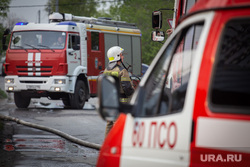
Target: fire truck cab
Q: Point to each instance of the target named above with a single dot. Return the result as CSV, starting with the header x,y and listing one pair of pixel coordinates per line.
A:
x,y
201,118
62,59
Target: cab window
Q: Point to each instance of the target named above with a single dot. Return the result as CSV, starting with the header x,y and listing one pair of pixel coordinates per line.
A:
x,y
165,89
38,40
94,41
230,86
74,42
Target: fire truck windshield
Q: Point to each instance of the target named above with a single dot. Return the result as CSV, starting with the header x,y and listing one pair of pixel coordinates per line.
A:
x,y
38,40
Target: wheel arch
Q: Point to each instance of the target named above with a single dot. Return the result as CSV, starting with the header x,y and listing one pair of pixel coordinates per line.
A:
x,y
80,74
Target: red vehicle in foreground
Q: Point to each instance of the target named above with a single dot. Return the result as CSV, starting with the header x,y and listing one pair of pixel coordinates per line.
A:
x,y
201,117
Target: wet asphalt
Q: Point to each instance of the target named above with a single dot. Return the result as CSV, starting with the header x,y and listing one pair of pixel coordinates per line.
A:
x,y
22,146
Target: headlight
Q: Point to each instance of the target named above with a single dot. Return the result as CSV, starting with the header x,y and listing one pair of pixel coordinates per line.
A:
x,y
9,81
10,88
60,81
57,89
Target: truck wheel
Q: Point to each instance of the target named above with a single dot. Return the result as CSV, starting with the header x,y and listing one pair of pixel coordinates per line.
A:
x,y
66,101
77,99
21,101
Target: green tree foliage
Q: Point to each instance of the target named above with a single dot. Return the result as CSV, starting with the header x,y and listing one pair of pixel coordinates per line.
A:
x,y
4,8
76,7
2,30
1,35
140,12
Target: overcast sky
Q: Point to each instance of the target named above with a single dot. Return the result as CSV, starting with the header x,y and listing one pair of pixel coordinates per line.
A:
x,y
19,9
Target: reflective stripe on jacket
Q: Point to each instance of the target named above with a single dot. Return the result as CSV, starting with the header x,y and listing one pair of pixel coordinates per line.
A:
x,y
126,86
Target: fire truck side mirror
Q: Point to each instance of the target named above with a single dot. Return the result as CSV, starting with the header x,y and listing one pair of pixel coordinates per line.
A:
x,y
108,94
158,36
157,19
4,45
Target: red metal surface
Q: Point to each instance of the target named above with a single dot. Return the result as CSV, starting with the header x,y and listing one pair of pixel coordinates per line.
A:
x,y
51,63
96,60
209,4
113,140
201,108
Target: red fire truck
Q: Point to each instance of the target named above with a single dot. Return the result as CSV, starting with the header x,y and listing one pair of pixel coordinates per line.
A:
x,y
62,59
203,119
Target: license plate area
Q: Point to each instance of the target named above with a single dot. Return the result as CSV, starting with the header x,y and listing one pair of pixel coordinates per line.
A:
x,y
33,86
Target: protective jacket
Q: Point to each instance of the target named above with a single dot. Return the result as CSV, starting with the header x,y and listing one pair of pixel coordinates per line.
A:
x,y
126,85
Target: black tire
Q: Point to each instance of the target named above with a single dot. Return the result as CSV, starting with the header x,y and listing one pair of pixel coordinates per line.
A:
x,y
66,101
21,101
3,72
77,100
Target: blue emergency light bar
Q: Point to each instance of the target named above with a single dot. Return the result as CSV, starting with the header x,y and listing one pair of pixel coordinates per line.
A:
x,y
22,23
70,23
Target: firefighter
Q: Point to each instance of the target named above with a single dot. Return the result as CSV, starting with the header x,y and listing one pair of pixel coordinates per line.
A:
x,y
59,43
116,68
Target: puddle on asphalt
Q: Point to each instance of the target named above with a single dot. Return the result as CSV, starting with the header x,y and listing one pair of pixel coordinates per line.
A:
x,y
38,148
55,104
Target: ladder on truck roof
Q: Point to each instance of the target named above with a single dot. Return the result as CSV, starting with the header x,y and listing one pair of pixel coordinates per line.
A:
x,y
57,17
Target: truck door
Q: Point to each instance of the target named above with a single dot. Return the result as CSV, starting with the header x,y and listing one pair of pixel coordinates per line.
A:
x,y
73,52
222,113
96,57
160,131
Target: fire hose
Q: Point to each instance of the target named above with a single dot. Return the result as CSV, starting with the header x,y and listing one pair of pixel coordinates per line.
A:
x,y
54,131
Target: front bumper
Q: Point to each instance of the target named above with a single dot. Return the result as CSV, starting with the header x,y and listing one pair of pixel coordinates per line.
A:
x,y
49,84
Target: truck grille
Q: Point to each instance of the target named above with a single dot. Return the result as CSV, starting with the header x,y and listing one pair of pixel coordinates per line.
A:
x,y
34,82
34,70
